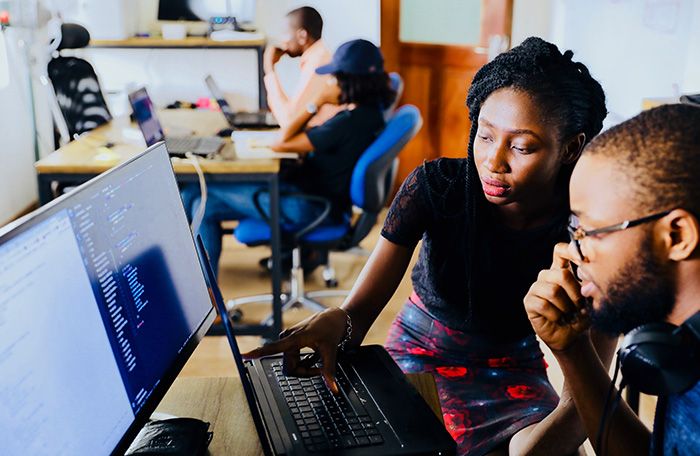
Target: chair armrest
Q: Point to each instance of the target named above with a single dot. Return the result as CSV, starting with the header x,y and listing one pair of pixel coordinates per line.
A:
x,y
324,202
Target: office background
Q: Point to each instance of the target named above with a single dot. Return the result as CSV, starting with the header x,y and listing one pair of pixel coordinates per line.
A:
x,y
637,49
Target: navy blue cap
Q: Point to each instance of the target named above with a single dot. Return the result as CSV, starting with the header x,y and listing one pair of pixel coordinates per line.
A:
x,y
355,57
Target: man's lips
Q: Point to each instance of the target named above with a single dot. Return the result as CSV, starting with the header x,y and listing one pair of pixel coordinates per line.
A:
x,y
494,187
587,285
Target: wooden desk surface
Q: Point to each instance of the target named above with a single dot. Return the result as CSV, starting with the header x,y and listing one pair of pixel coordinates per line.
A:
x,y
221,402
189,42
88,154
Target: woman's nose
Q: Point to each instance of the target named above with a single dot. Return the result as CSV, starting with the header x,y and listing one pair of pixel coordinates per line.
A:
x,y
497,160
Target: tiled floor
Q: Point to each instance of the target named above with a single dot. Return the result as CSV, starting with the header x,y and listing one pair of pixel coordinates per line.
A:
x,y
240,276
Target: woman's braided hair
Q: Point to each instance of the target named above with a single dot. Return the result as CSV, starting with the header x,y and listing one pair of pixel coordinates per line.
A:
x,y
571,100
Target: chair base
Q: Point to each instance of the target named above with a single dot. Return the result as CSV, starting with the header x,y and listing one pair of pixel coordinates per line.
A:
x,y
297,296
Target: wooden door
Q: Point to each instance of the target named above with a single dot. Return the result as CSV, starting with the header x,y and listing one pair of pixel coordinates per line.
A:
x,y
436,75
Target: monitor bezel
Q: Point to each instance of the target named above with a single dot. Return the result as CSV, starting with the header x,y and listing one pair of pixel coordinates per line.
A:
x,y
21,225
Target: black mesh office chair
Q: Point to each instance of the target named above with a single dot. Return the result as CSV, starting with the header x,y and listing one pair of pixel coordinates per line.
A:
x,y
75,84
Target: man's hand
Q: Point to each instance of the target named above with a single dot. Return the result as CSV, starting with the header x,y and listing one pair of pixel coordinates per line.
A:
x,y
554,303
330,93
272,55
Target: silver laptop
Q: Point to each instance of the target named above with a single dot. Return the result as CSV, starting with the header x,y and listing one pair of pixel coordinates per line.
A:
x,y
254,120
152,131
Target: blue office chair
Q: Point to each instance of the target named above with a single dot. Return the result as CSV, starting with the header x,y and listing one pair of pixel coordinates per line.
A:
x,y
372,180
396,83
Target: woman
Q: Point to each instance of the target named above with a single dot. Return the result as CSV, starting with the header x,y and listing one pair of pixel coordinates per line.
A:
x,y
329,151
488,225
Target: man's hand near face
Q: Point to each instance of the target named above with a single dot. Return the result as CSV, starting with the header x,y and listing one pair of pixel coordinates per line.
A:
x,y
559,316
554,303
272,55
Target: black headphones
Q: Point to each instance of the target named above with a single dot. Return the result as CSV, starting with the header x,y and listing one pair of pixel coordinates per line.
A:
x,y
661,358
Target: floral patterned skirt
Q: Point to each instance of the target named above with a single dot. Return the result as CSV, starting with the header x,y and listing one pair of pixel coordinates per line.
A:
x,y
488,391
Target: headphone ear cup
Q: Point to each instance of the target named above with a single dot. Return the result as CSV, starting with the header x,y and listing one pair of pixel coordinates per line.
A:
x,y
654,361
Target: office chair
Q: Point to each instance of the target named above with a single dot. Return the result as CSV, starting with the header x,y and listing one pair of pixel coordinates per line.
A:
x,y
370,186
75,84
396,83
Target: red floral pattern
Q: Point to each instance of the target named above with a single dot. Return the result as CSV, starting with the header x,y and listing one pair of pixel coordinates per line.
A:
x,y
521,392
452,371
484,395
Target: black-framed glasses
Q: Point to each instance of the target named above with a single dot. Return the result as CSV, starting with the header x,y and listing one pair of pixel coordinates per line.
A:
x,y
576,233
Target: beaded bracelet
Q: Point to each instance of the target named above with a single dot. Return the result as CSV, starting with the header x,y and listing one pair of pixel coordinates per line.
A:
x,y
348,331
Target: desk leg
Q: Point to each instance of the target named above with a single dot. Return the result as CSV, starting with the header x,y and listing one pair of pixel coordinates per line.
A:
x,y
45,193
276,253
262,93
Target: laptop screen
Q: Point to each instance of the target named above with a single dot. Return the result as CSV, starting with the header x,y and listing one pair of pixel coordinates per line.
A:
x,y
102,300
219,96
145,115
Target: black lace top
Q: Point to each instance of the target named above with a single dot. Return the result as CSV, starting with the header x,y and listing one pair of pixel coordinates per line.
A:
x,y
431,205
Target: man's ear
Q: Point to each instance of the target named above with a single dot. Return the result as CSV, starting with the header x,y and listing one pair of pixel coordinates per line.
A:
x,y
302,37
681,234
573,148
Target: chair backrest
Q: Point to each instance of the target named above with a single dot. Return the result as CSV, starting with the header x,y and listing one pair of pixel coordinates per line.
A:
x,y
76,86
397,84
375,171
368,184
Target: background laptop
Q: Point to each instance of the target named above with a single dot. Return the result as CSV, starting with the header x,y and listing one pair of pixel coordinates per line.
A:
x,y
255,120
378,411
102,300
150,126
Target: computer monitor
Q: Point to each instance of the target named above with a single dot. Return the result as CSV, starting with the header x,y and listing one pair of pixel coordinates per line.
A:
x,y
145,116
203,10
102,300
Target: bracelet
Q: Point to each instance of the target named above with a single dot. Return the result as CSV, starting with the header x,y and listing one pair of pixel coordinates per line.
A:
x,y
348,331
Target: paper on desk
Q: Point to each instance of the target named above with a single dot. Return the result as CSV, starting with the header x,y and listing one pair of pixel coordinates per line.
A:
x,y
256,145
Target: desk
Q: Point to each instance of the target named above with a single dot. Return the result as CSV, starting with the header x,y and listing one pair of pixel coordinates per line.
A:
x,y
194,42
221,401
85,158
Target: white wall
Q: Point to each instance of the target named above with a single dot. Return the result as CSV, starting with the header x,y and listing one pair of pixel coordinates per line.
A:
x,y
636,49
18,187
179,74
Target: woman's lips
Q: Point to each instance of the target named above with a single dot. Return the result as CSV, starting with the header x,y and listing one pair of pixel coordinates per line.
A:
x,y
493,187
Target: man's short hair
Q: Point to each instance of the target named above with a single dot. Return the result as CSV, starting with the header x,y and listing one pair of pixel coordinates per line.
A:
x,y
309,19
659,152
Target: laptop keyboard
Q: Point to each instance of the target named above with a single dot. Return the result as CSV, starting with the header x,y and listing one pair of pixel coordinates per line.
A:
x,y
199,145
325,421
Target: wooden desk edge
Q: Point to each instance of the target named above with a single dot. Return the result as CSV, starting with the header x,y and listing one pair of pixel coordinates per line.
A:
x,y
192,42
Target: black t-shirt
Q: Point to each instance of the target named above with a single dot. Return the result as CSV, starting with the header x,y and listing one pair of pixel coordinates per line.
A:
x,y
338,144
431,205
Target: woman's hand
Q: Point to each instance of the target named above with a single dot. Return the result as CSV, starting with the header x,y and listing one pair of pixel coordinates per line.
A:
x,y
322,332
554,304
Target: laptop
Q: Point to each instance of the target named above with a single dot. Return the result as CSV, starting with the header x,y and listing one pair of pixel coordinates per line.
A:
x,y
152,131
378,411
102,301
253,120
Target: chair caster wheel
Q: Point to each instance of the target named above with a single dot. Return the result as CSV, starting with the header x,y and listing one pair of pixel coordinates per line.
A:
x,y
331,283
236,315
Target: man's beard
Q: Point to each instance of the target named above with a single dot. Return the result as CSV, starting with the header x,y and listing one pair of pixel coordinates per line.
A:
x,y
640,293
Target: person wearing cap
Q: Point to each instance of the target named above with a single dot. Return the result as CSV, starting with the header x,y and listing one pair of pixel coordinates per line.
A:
x,y
328,152
302,40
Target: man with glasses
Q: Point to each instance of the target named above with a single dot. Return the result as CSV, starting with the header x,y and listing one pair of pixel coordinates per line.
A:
x,y
634,259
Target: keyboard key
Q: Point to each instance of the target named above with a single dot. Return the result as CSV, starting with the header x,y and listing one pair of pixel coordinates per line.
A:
x,y
362,441
376,439
348,441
